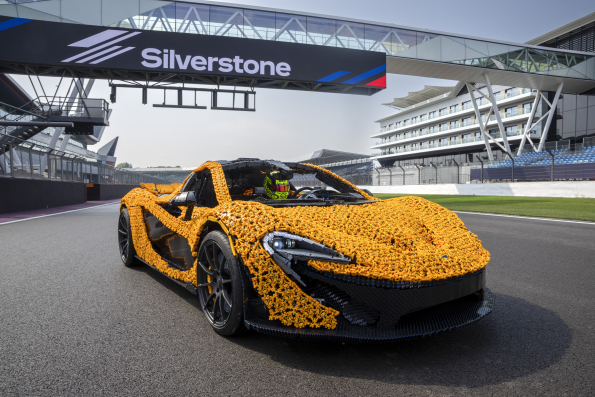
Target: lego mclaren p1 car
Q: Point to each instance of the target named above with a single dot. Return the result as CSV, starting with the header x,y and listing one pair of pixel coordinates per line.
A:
x,y
291,249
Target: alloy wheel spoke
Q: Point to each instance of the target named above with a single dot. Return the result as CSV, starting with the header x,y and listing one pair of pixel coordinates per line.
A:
x,y
211,295
209,256
205,269
218,255
221,307
225,281
215,305
226,297
122,231
207,285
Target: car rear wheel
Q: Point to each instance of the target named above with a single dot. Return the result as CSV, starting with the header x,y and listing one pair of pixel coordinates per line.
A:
x,y
219,285
127,251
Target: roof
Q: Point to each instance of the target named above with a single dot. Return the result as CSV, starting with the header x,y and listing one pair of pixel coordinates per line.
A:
x,y
325,156
109,149
415,97
459,89
563,30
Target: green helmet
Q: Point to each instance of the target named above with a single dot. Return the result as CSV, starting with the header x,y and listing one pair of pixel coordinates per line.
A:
x,y
274,188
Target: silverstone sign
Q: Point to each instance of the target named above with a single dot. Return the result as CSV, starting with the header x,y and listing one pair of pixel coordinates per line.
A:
x,y
62,44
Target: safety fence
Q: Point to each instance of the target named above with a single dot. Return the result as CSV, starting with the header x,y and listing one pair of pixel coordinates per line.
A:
x,y
30,160
558,162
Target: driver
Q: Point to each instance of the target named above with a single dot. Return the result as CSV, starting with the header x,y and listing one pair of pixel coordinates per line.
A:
x,y
276,188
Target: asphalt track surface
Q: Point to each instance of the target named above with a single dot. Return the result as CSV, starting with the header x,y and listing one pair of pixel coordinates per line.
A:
x,y
75,321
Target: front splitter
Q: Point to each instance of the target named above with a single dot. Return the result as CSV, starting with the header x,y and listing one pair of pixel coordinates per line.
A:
x,y
428,322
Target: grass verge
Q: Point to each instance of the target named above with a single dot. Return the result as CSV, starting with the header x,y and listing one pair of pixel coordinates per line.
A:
x,y
582,209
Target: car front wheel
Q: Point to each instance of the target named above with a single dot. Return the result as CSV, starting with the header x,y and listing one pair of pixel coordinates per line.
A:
x,y
219,285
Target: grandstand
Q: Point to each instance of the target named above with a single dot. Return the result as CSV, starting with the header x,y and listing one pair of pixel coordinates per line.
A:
x,y
561,156
355,167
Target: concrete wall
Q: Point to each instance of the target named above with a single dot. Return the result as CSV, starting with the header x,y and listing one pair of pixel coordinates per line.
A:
x,y
18,194
30,194
521,189
96,191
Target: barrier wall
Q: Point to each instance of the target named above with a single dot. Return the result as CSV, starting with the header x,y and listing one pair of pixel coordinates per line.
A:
x,y
30,194
520,189
23,194
97,191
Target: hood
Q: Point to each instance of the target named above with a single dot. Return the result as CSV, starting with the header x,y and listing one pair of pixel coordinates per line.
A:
x,y
401,239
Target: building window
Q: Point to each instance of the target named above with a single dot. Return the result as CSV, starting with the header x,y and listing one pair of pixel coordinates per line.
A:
x,y
398,125
467,121
466,105
509,112
453,108
527,108
432,114
478,135
511,131
512,92
443,112
413,120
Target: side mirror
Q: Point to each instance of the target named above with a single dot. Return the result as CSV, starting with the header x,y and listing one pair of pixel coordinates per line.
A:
x,y
367,191
182,199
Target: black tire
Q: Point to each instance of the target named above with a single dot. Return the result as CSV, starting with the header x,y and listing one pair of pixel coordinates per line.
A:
x,y
220,285
125,243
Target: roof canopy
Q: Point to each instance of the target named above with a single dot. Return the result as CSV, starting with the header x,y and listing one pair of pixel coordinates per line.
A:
x,y
415,97
326,156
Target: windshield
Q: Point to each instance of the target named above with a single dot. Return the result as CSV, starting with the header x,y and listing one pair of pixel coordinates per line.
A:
x,y
287,184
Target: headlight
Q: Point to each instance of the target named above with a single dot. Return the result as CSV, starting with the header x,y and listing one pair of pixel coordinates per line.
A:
x,y
286,249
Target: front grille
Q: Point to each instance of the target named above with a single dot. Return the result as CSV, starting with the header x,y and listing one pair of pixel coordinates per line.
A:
x,y
359,304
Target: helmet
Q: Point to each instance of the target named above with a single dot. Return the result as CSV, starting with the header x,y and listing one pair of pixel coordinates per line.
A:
x,y
274,187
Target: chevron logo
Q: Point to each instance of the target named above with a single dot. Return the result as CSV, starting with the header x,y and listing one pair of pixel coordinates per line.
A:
x,y
103,47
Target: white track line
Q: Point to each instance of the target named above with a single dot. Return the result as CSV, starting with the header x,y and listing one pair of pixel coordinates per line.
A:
x,y
57,213
526,217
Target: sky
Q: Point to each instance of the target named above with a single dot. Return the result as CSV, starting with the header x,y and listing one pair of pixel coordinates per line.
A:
x,y
287,124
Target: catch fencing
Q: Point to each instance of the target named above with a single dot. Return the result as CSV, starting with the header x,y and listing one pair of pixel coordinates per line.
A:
x,y
30,160
560,161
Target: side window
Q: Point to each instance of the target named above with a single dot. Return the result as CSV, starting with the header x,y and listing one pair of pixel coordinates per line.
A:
x,y
204,191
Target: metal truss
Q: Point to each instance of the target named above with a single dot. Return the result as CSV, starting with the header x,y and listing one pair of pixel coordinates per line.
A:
x,y
530,125
493,109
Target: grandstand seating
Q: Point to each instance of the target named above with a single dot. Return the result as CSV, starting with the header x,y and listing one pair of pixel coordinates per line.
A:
x,y
561,156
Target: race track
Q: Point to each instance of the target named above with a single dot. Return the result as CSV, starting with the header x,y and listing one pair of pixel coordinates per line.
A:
x,y
75,321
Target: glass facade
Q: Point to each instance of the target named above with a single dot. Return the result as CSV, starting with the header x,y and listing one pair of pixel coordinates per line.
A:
x,y
196,18
576,117
457,137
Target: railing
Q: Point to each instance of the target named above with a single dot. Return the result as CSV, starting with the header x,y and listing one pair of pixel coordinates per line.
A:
x,y
453,126
48,109
482,101
458,141
564,161
25,159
